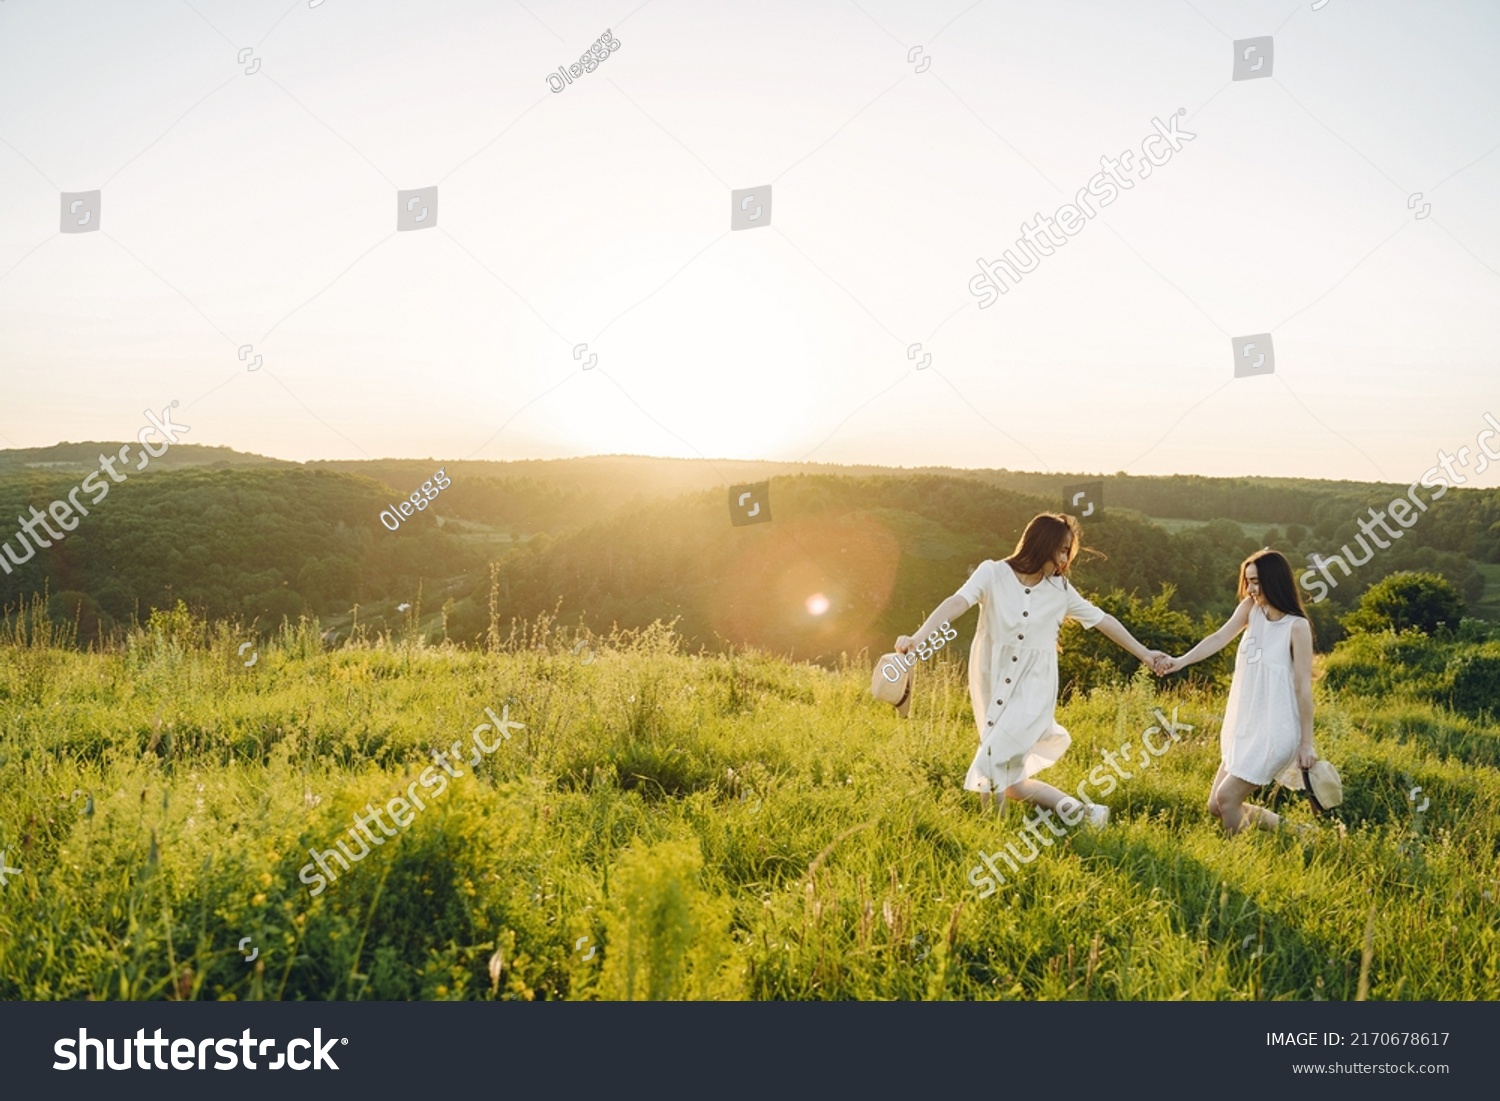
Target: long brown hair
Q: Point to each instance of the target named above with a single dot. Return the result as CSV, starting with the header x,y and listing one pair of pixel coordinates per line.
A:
x,y
1274,574
1040,542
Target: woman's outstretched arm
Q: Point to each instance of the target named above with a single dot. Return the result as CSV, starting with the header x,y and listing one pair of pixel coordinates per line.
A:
x,y
1216,641
1112,629
949,610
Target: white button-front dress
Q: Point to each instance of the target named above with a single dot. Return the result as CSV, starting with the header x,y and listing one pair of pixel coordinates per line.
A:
x,y
1013,672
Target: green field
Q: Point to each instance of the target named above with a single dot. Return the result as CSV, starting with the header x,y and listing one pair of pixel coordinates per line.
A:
x,y
727,826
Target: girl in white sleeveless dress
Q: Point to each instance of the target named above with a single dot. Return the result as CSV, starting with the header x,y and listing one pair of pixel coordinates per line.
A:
x,y
1268,723
1013,680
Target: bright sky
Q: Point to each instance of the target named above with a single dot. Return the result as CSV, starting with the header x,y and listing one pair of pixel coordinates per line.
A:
x,y
260,209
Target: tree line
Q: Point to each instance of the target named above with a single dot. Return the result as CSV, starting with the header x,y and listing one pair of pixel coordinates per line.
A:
x,y
610,544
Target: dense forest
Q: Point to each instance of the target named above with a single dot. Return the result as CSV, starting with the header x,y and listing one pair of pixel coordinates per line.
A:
x,y
629,540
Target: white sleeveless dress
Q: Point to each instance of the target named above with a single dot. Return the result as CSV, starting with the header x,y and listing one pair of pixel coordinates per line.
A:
x,y
1261,724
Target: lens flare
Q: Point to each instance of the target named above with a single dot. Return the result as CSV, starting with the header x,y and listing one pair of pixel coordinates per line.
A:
x,y
764,599
817,604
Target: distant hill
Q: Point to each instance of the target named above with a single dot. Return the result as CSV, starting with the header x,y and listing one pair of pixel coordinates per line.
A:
x,y
628,539
882,551
81,458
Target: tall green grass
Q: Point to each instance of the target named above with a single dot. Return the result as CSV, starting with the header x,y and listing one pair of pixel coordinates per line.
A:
x,y
706,826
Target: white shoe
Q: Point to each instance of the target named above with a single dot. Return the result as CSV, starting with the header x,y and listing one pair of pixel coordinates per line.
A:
x,y
1097,816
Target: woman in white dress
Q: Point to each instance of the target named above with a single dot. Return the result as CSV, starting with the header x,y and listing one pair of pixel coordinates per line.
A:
x,y
1013,663
1268,723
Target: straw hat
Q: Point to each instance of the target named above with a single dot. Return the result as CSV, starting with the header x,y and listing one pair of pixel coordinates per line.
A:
x,y
891,682
1321,782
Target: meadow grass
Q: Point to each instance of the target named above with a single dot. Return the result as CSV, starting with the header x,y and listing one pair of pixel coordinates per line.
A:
x,y
673,825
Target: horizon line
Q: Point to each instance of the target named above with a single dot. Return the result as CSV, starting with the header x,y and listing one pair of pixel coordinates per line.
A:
x,y
16,451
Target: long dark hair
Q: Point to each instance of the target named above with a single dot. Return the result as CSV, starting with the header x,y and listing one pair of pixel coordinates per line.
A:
x,y
1040,542
1275,578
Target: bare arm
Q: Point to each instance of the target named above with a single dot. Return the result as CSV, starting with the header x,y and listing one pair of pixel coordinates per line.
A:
x,y
1302,683
1218,640
945,612
1112,629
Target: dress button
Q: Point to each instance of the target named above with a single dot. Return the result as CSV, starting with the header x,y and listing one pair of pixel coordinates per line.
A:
x,y
1025,613
1020,636
1007,680
1014,658
999,701
1028,590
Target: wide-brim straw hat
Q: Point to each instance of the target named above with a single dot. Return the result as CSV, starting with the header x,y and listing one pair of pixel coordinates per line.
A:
x,y
1321,781
891,682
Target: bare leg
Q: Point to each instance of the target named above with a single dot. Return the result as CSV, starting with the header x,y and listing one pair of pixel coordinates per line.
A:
x,y
1039,793
1229,794
1213,792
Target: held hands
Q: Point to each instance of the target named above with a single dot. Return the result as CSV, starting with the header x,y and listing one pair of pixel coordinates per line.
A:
x,y
1164,664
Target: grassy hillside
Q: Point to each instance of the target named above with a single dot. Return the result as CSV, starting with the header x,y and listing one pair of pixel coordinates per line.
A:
x,y
671,825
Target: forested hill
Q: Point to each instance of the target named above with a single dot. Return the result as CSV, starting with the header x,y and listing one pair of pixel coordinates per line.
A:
x,y
1471,527
81,458
630,539
880,551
